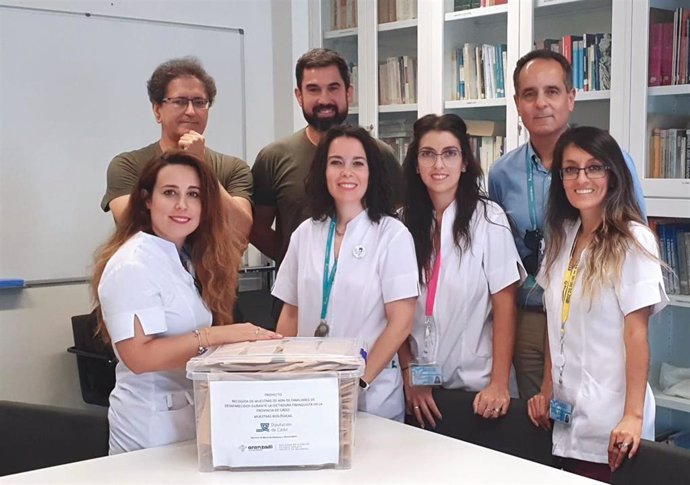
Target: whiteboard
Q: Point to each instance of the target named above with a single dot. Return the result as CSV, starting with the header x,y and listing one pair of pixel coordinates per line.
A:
x,y
72,96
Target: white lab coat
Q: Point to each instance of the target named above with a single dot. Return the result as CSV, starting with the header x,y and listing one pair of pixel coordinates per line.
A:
x,y
594,349
146,278
462,308
385,272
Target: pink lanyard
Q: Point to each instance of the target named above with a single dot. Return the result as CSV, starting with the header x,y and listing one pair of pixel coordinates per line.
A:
x,y
433,285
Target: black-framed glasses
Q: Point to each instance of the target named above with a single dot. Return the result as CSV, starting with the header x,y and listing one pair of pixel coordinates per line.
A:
x,y
595,171
181,102
534,241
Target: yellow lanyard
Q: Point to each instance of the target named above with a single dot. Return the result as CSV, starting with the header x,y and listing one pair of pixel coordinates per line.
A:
x,y
568,287
567,294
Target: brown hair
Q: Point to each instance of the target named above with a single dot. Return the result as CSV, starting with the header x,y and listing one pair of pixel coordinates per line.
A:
x,y
321,57
216,245
170,70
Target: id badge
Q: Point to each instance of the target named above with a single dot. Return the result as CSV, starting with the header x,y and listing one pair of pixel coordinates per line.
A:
x,y
561,411
426,375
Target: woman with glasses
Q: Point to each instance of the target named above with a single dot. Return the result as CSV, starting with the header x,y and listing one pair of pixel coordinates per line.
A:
x,y
165,285
349,270
602,280
469,270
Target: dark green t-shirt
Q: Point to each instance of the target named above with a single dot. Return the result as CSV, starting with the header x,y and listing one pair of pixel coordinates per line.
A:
x,y
124,170
280,171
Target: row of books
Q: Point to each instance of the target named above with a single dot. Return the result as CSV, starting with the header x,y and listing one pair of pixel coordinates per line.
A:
x,y
487,140
467,4
343,14
478,71
669,154
589,55
398,80
674,246
394,10
669,45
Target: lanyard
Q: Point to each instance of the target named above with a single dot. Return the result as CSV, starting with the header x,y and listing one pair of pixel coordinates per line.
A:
x,y
566,296
432,286
328,277
530,190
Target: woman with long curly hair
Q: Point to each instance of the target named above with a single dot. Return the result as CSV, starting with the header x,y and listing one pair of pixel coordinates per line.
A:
x,y
167,274
602,280
349,270
469,270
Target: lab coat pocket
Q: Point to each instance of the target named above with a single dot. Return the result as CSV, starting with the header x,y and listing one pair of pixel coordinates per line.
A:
x,y
479,339
173,420
599,410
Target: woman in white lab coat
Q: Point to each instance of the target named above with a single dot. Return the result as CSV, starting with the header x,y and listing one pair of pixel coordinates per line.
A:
x,y
349,271
164,277
602,280
469,269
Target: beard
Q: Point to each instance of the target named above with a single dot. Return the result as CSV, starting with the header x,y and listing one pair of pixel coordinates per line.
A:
x,y
323,124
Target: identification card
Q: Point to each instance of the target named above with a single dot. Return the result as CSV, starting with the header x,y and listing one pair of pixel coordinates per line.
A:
x,y
426,375
561,411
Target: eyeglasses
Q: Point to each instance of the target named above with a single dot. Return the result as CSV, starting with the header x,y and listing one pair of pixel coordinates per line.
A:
x,y
182,102
592,172
448,157
534,241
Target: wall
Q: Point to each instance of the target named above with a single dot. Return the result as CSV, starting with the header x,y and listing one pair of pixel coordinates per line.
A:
x,y
35,322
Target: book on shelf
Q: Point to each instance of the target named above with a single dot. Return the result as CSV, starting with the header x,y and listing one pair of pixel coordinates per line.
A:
x,y
674,249
487,141
669,46
468,4
669,153
395,10
477,71
398,80
397,134
589,56
343,14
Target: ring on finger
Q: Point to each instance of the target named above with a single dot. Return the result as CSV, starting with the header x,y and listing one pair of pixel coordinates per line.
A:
x,y
256,332
416,407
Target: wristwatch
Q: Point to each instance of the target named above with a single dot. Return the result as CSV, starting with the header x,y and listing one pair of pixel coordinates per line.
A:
x,y
363,384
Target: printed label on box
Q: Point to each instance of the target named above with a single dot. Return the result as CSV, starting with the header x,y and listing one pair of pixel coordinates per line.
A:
x,y
275,423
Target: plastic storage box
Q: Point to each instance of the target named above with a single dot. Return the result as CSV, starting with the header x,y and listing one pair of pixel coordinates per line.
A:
x,y
277,404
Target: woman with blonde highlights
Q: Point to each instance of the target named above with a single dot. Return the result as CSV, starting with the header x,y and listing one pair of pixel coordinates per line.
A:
x,y
602,280
166,275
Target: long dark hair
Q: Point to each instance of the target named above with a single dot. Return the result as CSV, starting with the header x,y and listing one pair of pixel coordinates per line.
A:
x,y
216,245
417,206
378,197
611,240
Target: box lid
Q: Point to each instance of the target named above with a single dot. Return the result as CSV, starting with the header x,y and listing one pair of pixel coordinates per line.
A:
x,y
297,355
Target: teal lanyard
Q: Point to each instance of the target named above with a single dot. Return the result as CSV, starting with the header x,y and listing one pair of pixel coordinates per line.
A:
x,y
530,190
328,277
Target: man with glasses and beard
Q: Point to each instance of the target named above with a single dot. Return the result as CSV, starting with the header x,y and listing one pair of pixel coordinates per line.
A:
x,y
181,94
520,182
324,92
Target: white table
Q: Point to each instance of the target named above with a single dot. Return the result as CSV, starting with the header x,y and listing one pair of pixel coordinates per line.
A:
x,y
385,452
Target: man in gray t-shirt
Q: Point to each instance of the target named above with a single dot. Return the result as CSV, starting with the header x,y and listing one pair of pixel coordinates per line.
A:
x,y
324,93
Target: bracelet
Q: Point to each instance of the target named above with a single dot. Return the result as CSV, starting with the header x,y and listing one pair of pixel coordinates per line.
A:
x,y
201,348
